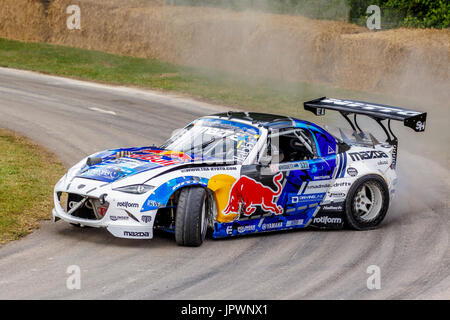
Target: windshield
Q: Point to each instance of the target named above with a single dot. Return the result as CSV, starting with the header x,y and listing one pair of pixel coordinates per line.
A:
x,y
215,140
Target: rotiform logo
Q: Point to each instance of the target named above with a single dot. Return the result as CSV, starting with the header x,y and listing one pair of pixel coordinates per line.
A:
x,y
126,204
327,219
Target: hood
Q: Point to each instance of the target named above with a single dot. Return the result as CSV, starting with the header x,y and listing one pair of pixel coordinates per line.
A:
x,y
120,163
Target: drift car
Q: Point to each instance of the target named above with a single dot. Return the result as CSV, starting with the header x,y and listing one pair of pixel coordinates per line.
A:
x,y
239,173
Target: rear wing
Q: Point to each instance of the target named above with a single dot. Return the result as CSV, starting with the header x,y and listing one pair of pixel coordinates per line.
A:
x,y
412,119
379,112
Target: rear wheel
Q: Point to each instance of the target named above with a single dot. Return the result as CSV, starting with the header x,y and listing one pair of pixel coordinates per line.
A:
x,y
367,203
191,221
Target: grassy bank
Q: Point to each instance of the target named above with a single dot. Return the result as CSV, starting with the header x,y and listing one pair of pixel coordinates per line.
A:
x,y
263,95
27,176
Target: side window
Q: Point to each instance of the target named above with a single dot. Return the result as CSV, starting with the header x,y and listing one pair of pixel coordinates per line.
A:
x,y
292,144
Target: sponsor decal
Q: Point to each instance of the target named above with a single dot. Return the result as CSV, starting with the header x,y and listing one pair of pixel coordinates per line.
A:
x,y
372,107
342,184
195,181
275,225
247,228
319,186
81,186
365,155
394,155
352,172
102,210
420,126
135,234
301,165
206,169
126,204
153,204
336,194
115,218
249,193
382,163
146,219
330,150
321,177
309,197
327,220
293,223
333,207
112,174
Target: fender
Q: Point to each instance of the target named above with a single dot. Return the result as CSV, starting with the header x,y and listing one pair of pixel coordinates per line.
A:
x,y
161,195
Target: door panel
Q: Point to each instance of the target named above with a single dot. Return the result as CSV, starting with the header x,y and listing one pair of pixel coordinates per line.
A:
x,y
305,188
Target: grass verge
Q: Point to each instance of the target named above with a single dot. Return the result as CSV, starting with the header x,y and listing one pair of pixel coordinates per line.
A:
x,y
27,176
264,95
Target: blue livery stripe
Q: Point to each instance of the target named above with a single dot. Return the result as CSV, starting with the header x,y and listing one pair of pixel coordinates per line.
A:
x,y
344,155
340,166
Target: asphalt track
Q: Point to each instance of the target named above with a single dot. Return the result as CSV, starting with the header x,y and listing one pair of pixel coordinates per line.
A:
x,y
74,119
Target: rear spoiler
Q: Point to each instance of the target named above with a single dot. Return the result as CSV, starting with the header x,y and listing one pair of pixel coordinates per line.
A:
x,y
412,119
379,112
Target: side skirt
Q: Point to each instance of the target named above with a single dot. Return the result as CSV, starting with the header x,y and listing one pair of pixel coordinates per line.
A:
x,y
324,219
264,224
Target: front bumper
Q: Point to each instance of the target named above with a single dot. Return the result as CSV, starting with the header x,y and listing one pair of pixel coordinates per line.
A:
x,y
121,222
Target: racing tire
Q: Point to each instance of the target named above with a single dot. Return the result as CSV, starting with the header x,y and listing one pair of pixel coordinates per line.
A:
x,y
367,203
191,221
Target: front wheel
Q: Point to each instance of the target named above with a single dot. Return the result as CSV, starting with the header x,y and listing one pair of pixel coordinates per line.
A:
x,y
191,222
367,203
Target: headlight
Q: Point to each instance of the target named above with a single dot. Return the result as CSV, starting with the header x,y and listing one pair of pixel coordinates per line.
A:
x,y
136,188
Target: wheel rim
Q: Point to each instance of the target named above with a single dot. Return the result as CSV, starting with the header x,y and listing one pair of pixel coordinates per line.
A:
x,y
367,201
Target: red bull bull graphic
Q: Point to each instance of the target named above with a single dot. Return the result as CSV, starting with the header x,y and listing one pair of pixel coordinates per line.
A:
x,y
251,194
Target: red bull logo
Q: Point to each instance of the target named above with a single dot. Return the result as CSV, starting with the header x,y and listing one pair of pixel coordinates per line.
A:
x,y
156,156
251,194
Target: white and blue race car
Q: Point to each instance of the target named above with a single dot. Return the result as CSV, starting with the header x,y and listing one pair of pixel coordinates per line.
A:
x,y
239,173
